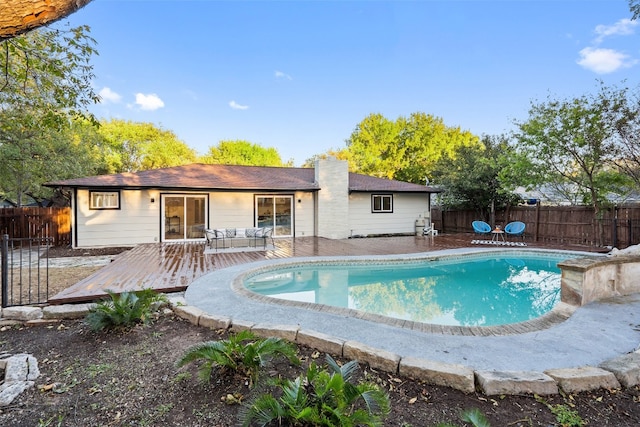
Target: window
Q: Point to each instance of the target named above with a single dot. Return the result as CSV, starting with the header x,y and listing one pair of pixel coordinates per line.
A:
x,y
381,203
104,200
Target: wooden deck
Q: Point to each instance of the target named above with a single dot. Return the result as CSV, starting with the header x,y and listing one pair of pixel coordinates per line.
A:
x,y
172,267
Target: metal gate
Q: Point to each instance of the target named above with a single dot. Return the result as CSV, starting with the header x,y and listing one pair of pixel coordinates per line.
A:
x,y
25,270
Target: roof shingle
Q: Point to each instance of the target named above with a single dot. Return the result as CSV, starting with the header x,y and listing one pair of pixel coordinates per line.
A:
x,y
233,177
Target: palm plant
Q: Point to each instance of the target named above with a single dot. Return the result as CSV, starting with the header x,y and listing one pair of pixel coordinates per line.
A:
x,y
123,310
473,416
321,397
242,352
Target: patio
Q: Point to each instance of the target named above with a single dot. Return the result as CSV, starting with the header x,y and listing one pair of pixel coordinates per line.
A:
x,y
172,267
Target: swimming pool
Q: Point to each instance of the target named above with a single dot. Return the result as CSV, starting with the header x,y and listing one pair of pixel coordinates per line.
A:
x,y
471,290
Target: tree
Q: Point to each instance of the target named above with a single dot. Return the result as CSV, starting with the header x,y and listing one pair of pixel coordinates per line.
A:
x,y
30,155
404,149
239,152
374,147
49,72
336,154
470,177
625,116
45,87
634,6
427,139
134,146
19,16
572,142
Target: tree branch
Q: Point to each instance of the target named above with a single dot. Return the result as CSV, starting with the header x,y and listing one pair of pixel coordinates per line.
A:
x,y
20,16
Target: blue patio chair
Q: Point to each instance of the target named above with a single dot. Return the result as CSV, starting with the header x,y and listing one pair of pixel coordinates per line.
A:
x,y
481,227
515,229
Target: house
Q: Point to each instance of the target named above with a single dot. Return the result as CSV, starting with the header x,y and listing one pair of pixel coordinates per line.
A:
x,y
175,204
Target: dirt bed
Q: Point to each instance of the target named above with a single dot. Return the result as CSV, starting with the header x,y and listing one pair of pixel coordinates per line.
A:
x,y
127,379
130,379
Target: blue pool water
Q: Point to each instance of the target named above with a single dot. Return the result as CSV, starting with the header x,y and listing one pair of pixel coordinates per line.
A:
x,y
484,290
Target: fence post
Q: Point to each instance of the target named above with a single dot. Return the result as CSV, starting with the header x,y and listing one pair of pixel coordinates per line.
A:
x,y
535,230
5,270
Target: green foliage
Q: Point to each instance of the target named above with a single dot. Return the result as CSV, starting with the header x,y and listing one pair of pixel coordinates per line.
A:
x,y
472,416
240,152
471,177
46,85
374,147
475,417
123,310
51,421
336,154
634,6
321,397
48,71
572,143
134,146
31,154
405,149
625,115
565,416
242,352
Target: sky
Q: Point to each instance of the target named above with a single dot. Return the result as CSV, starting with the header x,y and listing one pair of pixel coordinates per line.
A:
x,y
300,75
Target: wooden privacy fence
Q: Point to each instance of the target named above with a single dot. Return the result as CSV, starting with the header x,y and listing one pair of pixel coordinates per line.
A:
x,y
29,223
619,226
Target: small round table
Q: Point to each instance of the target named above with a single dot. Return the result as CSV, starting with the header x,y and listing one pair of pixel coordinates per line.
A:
x,y
496,234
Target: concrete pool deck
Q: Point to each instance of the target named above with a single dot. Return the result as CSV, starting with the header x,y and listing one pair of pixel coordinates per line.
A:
x,y
593,335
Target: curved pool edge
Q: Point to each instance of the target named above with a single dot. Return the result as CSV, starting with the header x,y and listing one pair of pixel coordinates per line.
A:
x,y
592,335
559,313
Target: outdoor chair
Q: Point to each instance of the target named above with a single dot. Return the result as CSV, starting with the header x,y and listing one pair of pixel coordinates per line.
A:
x,y
515,229
429,230
481,227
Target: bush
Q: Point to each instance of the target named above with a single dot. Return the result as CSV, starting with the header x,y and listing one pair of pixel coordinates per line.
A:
x,y
321,397
123,310
242,352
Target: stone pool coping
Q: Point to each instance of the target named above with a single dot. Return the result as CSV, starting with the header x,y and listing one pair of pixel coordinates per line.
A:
x,y
595,347
561,311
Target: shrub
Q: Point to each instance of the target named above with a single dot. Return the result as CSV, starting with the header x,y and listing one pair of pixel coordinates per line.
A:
x,y
472,416
123,310
321,397
242,352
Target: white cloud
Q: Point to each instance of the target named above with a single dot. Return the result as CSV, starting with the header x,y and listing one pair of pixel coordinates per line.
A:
x,y
623,27
281,75
149,102
236,106
107,95
604,61
190,94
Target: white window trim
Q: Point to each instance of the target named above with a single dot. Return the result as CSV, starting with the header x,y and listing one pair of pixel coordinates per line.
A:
x,y
109,200
382,197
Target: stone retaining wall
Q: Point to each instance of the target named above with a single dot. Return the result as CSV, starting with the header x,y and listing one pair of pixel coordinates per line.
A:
x,y
621,371
585,280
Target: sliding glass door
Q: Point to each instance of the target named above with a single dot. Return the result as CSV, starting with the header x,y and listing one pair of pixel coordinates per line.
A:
x,y
183,217
275,212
